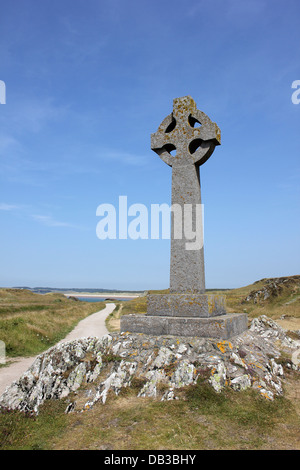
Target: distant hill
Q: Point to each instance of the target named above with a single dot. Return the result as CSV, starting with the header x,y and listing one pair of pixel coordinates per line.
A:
x,y
47,290
277,298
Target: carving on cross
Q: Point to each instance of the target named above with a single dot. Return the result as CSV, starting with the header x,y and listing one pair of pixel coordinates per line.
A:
x,y
187,130
194,137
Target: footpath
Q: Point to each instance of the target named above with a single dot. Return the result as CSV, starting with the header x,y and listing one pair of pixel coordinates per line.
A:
x,y
93,325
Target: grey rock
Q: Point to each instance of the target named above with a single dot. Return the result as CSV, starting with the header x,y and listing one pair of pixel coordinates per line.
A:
x,y
154,377
218,377
162,364
183,375
241,383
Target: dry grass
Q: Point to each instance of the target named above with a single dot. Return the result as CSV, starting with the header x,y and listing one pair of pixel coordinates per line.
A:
x,y
31,323
203,419
282,304
138,306
286,303
112,322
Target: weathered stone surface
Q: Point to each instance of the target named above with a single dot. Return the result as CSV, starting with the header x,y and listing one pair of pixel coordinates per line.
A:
x,y
223,326
185,305
55,373
187,310
242,382
162,365
194,145
218,377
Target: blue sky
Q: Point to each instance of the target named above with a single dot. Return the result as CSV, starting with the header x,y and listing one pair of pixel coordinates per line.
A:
x,y
87,82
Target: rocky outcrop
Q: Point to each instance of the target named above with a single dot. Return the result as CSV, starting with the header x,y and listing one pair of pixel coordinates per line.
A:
x,y
273,287
156,366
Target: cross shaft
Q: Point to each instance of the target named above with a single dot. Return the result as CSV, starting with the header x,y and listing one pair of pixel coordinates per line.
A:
x,y
186,310
179,132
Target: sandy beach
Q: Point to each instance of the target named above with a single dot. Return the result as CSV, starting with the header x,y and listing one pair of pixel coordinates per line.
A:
x,y
105,296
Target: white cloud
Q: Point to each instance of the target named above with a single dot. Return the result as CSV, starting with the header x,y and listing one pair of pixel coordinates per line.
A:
x,y
50,221
7,207
125,158
27,211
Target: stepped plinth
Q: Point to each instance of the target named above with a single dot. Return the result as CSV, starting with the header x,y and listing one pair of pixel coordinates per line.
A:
x,y
187,310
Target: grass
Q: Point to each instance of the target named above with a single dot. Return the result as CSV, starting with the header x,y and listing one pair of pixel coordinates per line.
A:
x,y
286,303
31,323
138,306
112,321
202,419
27,432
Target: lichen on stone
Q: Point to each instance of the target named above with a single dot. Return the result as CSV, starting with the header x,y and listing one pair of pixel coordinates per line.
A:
x,y
160,366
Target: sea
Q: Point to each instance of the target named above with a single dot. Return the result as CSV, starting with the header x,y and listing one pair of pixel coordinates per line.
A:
x,y
100,299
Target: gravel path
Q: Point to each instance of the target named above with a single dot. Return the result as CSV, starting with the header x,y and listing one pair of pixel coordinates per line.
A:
x,y
93,325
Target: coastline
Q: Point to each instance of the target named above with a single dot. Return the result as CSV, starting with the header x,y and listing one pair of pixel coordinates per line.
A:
x,y
104,296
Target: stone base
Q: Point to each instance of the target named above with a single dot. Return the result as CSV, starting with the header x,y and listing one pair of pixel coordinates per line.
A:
x,y
219,327
185,305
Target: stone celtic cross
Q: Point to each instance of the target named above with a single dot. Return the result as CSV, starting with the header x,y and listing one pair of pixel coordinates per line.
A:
x,y
193,136
187,310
